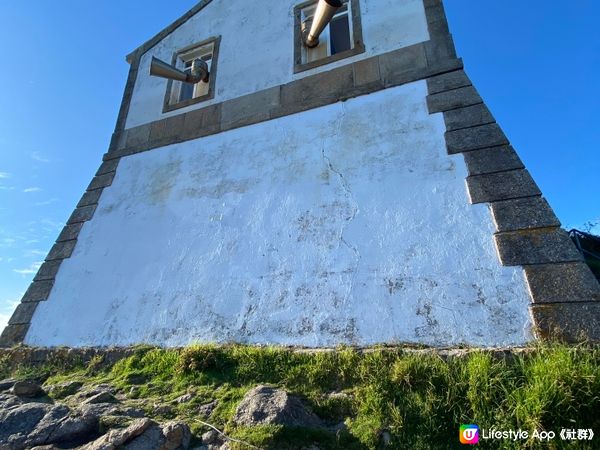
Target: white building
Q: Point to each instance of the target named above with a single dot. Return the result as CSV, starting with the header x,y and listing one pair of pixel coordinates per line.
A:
x,y
309,197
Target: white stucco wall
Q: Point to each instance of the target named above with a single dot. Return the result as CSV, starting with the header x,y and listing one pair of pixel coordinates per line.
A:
x,y
343,224
257,48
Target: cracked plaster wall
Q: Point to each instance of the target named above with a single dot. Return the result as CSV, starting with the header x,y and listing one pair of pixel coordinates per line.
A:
x,y
257,48
343,224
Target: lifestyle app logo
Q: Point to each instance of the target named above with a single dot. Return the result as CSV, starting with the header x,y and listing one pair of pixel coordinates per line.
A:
x,y
469,434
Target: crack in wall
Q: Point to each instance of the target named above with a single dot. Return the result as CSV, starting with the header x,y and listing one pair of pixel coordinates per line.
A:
x,y
349,195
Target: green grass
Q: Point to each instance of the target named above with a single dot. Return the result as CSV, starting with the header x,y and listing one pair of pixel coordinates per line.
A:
x,y
418,399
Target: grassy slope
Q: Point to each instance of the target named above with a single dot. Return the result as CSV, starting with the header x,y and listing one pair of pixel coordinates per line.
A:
x,y
418,398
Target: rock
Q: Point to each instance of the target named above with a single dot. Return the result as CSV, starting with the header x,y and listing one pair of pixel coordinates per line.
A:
x,y
60,426
162,410
185,398
207,409
99,389
27,389
151,439
62,390
115,438
177,434
267,405
19,422
102,397
5,385
109,409
212,437
8,401
36,424
171,436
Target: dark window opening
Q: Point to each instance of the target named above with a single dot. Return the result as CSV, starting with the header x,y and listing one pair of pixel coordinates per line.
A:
x,y
340,34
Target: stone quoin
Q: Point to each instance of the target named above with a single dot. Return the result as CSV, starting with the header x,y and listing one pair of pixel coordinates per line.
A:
x,y
357,193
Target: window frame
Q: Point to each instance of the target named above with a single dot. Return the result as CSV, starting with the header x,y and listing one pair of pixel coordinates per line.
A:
x,y
355,32
215,41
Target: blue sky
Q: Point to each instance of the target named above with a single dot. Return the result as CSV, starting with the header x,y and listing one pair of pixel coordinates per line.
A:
x,y
535,63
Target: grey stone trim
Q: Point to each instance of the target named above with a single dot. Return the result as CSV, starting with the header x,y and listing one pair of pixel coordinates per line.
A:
x,y
456,98
126,100
470,116
38,291
492,159
562,283
108,166
475,138
492,187
61,250
23,313
82,214
539,246
48,270
523,214
393,65
91,197
571,322
101,181
70,232
241,111
367,74
564,293
13,335
447,82
363,77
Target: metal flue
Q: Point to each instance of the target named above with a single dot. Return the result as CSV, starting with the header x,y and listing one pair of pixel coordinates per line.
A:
x,y
326,9
161,69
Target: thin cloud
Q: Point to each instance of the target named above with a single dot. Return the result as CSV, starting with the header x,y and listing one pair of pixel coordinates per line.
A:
x,y
4,175
7,188
32,189
37,156
47,202
6,309
33,268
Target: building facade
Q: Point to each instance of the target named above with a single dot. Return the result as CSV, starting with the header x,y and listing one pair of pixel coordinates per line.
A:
x,y
358,192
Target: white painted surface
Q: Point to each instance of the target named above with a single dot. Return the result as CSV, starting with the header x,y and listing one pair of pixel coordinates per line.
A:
x,y
257,47
343,224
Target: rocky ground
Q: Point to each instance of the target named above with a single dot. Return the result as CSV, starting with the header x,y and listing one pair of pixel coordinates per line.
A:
x,y
235,397
70,416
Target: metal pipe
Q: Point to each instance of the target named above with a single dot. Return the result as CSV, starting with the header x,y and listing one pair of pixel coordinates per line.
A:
x,y
326,9
161,69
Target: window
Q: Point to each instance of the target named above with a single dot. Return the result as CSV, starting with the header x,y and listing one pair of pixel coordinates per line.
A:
x,y
180,94
340,39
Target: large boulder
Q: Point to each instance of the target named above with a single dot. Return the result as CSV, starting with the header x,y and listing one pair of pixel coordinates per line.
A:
x,y
170,436
27,389
101,397
36,424
115,438
267,405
